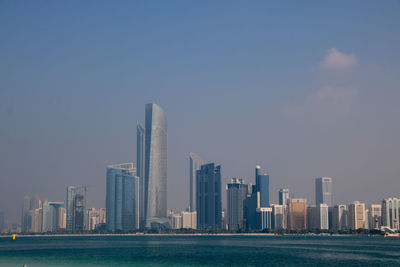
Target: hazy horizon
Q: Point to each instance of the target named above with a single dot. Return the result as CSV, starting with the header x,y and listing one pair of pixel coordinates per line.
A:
x,y
304,90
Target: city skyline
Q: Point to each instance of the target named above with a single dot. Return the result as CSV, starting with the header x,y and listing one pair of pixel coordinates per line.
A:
x,y
290,87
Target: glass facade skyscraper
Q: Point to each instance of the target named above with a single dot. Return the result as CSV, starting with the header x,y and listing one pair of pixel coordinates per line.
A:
x,y
323,191
70,207
236,197
140,167
122,197
156,167
262,186
209,207
194,165
283,196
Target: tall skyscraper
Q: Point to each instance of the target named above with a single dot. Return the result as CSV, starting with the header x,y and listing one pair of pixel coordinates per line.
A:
x,y
390,213
297,213
156,167
340,217
70,207
375,216
24,214
79,212
323,191
194,165
357,216
236,196
251,206
279,216
283,196
122,197
51,216
209,207
140,167
262,186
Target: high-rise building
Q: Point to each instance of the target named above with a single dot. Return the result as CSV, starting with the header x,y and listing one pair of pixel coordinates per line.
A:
x,y
194,165
357,216
390,213
209,206
262,187
35,203
156,167
70,207
264,218
323,191
236,196
279,216
24,214
251,208
283,196
140,167
322,217
79,212
297,213
374,216
122,197
2,226
51,216
340,217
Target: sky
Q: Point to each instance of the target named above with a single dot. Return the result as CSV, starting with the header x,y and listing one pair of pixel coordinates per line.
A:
x,y
304,89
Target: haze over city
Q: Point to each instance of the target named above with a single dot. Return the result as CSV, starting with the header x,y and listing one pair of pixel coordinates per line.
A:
x,y
304,90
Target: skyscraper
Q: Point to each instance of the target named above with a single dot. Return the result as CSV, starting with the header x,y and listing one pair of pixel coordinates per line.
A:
x,y
323,191
140,167
357,217
51,216
251,208
236,196
194,165
70,207
390,213
79,212
279,216
340,217
122,197
374,216
283,196
209,207
24,214
262,186
156,167
297,213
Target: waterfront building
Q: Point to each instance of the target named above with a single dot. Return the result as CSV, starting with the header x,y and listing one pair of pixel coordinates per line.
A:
x,y
209,207
262,187
2,221
189,219
176,221
156,167
318,217
323,191
35,202
283,196
79,212
236,196
70,207
264,218
122,197
251,208
390,213
357,216
195,163
92,219
340,217
374,216
24,214
297,213
51,216
279,216
140,170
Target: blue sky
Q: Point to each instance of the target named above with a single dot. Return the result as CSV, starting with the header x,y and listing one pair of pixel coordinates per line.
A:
x,y
304,89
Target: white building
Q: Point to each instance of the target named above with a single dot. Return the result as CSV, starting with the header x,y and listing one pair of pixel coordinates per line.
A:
x,y
189,219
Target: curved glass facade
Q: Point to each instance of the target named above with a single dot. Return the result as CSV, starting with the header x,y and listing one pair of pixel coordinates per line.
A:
x,y
155,165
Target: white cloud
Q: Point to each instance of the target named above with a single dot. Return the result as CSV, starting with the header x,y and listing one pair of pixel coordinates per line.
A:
x,y
338,60
325,103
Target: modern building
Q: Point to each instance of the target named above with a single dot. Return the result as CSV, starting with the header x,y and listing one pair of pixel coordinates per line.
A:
x,y
323,191
264,218
24,214
79,212
156,167
236,197
52,213
283,196
390,213
318,217
71,190
195,163
279,216
2,221
176,221
357,216
209,206
375,216
340,217
189,219
140,168
251,208
262,186
297,213
122,197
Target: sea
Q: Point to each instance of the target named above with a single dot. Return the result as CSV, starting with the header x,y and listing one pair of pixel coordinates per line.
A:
x,y
195,250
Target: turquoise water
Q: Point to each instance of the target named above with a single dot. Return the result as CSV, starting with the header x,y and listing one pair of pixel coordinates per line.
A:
x,y
200,251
